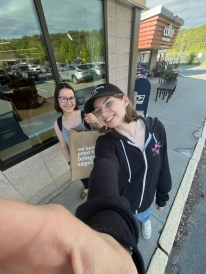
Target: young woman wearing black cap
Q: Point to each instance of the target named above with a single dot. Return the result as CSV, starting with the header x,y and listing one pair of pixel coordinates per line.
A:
x,y
133,153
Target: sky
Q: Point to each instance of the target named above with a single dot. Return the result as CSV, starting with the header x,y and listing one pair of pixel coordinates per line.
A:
x,y
191,11
17,18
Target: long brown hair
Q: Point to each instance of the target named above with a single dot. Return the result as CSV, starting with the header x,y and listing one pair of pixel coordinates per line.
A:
x,y
130,115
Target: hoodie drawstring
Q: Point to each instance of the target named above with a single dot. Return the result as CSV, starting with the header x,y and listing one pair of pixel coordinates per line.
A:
x,y
129,180
154,137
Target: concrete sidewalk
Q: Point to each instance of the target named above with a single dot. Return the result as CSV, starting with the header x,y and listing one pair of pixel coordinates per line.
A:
x,y
183,117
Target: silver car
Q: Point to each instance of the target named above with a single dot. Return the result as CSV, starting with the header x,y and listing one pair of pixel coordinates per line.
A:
x,y
98,69
75,73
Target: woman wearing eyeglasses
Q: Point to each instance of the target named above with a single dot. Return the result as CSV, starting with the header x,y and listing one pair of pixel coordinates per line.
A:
x,y
72,117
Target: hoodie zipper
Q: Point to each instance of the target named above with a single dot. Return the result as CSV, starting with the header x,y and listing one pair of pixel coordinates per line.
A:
x,y
144,178
146,166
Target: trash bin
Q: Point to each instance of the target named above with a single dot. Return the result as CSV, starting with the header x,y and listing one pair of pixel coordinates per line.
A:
x,y
142,93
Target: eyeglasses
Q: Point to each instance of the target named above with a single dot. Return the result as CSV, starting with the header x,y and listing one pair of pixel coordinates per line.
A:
x,y
65,99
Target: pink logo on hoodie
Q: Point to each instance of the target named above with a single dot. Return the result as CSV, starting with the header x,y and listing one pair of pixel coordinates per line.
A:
x,y
156,149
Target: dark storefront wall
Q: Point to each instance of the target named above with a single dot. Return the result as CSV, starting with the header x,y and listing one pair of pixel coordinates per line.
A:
x,y
75,34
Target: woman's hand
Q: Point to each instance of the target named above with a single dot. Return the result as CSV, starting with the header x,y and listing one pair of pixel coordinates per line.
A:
x,y
50,240
92,120
159,207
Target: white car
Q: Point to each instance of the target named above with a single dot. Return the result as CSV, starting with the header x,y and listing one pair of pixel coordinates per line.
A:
x,y
35,68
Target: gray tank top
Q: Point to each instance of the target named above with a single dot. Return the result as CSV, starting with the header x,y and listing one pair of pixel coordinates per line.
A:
x,y
66,132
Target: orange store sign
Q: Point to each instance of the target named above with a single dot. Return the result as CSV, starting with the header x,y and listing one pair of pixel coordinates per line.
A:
x,y
157,32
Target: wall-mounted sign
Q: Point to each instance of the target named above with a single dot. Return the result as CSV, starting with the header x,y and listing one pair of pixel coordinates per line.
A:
x,y
166,39
168,32
157,32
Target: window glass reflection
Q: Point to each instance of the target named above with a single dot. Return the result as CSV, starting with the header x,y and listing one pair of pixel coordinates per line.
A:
x,y
26,81
27,85
76,33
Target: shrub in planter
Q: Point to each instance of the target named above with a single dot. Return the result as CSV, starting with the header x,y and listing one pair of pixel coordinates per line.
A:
x,y
169,74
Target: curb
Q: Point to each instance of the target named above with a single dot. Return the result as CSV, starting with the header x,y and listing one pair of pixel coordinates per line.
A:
x,y
159,259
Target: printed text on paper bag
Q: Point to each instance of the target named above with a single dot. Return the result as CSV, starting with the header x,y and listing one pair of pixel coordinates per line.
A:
x,y
85,156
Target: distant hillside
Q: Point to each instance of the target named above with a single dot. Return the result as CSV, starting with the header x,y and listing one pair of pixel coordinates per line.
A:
x,y
189,41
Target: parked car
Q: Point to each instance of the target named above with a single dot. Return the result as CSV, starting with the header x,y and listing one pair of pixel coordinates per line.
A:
x,y
4,78
23,72
98,69
75,73
45,68
60,65
35,68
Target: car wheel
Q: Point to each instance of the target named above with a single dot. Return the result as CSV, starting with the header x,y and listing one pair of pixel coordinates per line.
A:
x,y
74,79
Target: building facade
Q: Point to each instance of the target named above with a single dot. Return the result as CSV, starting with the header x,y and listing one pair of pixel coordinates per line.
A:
x,y
159,28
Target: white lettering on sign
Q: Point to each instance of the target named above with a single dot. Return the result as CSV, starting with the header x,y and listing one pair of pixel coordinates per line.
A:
x,y
168,31
165,39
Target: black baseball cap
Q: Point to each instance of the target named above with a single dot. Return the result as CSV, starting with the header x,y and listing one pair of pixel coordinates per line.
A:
x,y
101,90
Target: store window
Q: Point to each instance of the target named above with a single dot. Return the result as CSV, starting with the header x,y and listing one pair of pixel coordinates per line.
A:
x,y
76,34
27,84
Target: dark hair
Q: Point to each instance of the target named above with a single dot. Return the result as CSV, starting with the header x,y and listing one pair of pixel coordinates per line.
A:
x,y
56,96
130,115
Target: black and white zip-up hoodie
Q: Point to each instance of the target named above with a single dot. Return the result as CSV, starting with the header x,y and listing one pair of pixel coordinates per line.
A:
x,y
138,174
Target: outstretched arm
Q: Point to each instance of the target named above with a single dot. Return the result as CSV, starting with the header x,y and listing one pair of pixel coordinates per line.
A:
x,y
49,239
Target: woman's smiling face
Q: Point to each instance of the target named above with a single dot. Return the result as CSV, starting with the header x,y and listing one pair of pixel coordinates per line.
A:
x,y
110,111
70,105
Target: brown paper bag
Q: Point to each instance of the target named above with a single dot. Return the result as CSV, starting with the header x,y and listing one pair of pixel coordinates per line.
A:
x,y
82,145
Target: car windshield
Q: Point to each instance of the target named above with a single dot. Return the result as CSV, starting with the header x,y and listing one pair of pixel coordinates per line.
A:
x,y
24,68
83,67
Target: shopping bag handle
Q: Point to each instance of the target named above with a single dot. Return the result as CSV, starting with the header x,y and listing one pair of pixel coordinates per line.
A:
x,y
83,126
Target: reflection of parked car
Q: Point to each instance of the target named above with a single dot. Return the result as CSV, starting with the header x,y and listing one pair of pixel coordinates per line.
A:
x,y
75,73
45,68
4,79
23,72
98,69
60,65
35,68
